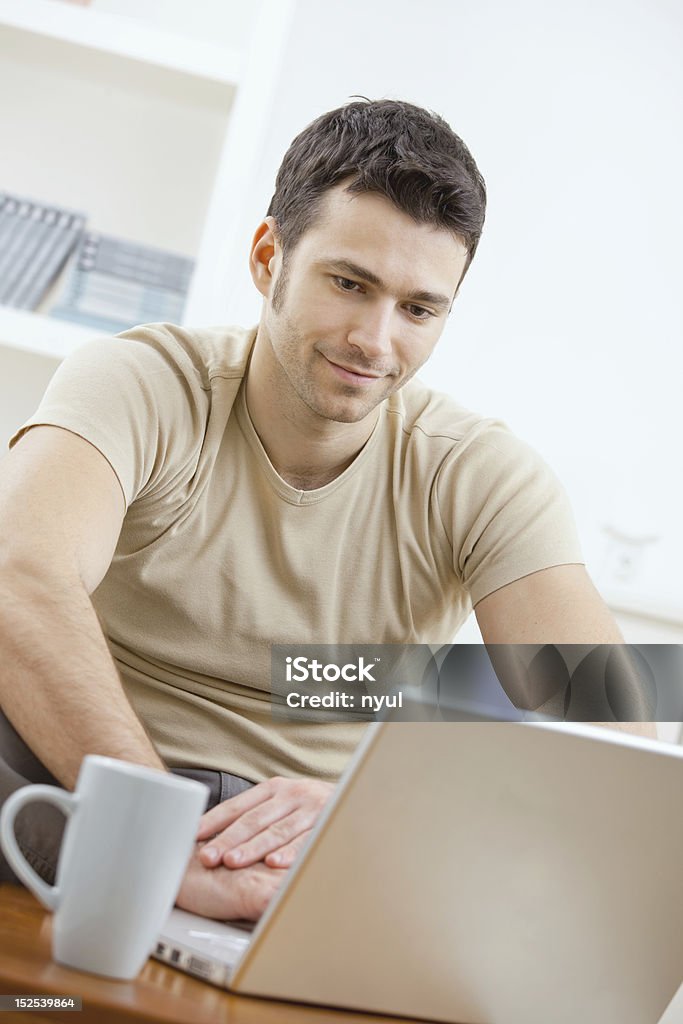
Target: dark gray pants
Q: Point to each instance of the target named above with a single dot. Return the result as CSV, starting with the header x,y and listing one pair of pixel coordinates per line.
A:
x,y
39,826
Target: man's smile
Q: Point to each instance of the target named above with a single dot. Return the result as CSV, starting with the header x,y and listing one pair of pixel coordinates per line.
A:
x,y
352,375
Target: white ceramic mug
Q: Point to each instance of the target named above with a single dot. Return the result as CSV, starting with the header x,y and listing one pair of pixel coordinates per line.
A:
x,y
128,840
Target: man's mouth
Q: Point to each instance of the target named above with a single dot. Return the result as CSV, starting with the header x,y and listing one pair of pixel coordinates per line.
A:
x,y
353,375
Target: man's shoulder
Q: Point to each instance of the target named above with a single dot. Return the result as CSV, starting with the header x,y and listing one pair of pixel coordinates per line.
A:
x,y
207,352
424,412
444,437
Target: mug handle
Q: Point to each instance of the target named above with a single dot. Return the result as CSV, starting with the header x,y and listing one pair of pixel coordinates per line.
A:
x,y
50,895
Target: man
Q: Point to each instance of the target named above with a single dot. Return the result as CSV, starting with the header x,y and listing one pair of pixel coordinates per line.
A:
x,y
195,496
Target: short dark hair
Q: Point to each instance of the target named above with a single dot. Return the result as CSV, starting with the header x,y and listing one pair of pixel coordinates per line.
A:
x,y
401,151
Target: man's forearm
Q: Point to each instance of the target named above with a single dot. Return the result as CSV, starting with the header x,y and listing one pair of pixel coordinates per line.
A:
x,y
59,686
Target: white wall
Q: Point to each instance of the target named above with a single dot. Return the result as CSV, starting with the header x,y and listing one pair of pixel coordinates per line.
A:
x,y
569,323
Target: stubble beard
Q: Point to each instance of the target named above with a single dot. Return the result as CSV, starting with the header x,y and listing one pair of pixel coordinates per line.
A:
x,y
344,406
350,410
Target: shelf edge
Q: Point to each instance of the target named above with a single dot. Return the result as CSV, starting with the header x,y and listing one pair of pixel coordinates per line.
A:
x,y
41,335
124,37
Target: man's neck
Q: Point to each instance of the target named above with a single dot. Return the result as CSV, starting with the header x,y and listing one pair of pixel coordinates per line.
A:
x,y
305,449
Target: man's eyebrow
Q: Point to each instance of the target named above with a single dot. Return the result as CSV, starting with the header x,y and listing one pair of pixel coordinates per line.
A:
x,y
441,302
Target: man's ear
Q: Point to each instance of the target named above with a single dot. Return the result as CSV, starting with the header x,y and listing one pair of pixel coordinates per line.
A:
x,y
265,255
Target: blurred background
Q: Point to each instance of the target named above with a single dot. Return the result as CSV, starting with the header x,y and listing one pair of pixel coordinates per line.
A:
x,y
140,141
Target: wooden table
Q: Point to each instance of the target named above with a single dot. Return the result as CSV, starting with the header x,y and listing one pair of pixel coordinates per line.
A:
x,y
159,993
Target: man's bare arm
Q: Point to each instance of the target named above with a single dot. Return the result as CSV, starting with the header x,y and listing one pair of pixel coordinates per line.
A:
x,y
61,510
559,605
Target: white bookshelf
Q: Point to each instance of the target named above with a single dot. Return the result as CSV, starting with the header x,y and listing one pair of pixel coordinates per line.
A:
x,y
40,335
122,36
150,130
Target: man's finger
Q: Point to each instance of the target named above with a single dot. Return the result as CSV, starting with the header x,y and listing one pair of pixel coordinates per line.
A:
x,y
280,834
224,814
286,855
227,894
247,826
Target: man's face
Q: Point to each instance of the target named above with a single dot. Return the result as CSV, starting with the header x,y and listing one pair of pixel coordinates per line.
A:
x,y
360,303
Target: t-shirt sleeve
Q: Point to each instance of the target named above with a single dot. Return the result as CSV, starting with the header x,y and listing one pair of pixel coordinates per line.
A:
x,y
138,398
505,512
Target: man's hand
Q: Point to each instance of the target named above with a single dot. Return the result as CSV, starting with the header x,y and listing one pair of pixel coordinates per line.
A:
x,y
228,895
269,822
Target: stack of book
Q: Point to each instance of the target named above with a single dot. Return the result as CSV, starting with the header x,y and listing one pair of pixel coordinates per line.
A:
x,y
36,239
112,284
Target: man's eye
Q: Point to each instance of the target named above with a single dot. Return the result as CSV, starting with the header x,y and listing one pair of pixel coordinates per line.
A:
x,y
419,312
346,284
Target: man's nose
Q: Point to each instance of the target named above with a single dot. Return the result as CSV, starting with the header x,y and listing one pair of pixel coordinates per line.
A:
x,y
372,332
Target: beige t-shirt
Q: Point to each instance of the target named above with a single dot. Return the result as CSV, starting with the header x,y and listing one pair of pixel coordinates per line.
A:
x,y
219,558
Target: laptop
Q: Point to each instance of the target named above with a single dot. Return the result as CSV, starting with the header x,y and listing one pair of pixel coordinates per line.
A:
x,y
479,873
